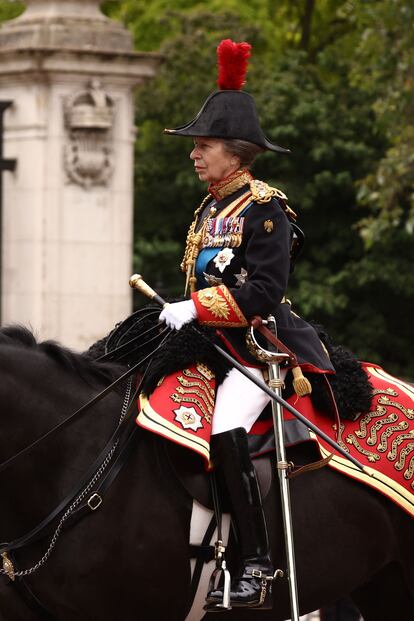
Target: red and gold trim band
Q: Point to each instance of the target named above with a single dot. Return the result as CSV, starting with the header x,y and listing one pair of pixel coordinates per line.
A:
x,y
230,184
216,307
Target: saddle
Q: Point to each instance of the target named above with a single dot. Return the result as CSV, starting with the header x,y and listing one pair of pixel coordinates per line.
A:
x,y
190,471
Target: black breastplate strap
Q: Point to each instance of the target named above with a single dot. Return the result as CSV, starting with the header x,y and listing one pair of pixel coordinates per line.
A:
x,y
31,600
120,435
90,505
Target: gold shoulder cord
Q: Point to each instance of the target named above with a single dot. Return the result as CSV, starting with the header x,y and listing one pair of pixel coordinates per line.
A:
x,y
263,193
192,247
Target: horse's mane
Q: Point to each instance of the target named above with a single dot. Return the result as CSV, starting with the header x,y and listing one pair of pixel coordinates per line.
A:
x,y
80,363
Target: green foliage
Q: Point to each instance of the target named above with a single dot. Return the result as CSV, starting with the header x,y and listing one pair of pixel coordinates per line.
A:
x,y
387,48
9,9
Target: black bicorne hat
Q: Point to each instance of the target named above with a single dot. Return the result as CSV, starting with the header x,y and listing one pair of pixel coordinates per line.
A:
x,y
229,112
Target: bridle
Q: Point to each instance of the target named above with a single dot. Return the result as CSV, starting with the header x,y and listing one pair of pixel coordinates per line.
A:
x,y
109,355
78,501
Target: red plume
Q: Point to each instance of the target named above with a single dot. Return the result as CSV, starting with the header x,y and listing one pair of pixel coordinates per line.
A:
x,y
232,64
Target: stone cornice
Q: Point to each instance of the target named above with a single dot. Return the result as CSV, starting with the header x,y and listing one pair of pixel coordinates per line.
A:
x,y
66,33
135,66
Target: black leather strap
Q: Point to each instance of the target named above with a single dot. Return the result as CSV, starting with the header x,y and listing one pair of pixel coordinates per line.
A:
x,y
20,583
31,600
122,457
38,532
204,553
82,409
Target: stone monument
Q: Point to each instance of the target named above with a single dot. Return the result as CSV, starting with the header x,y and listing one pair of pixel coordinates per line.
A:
x,y
68,207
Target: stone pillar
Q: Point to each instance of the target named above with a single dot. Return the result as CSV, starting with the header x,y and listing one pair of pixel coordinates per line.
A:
x,y
68,208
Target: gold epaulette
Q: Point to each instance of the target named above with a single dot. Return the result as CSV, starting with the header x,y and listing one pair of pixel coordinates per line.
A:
x,y
263,193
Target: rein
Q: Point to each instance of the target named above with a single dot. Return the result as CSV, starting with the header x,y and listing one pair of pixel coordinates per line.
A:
x,y
83,408
36,532
94,473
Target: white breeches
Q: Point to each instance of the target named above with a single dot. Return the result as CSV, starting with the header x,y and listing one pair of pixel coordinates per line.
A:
x,y
239,402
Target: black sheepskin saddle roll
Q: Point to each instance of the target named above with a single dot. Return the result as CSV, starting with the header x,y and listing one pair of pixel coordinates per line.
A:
x,y
158,351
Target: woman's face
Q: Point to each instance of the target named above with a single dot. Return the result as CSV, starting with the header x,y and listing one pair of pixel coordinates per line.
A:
x,y
211,161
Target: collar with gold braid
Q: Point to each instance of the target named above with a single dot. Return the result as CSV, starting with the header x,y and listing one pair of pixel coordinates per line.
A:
x,y
230,184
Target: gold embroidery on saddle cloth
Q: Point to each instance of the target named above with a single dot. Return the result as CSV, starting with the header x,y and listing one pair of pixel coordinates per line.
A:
x,y
383,445
197,386
339,436
351,439
366,419
384,403
377,426
189,373
392,455
195,391
408,412
205,371
385,391
410,470
400,464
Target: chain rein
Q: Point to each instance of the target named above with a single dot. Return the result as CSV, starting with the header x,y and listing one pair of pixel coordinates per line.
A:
x,y
78,500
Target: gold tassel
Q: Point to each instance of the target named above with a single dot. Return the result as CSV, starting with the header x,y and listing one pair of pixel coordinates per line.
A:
x,y
301,384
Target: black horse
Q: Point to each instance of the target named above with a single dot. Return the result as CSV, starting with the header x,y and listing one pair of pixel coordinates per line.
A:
x,y
129,559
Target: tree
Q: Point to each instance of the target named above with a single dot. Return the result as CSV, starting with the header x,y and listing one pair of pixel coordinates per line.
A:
x,y
9,9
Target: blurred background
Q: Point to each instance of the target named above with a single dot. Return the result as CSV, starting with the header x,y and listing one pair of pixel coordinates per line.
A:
x,y
334,82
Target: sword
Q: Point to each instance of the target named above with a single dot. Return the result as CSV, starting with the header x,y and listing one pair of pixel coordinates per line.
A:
x,y
274,359
136,282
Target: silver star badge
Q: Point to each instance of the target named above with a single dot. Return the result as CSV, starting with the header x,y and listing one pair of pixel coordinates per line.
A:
x,y
241,278
188,418
213,281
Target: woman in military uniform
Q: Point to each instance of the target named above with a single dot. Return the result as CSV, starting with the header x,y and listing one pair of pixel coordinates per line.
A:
x,y
237,263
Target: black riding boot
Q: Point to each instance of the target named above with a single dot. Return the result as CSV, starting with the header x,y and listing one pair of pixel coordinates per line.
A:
x,y
252,586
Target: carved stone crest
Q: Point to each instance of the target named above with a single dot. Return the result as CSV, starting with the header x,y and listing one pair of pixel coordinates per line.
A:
x,y
88,156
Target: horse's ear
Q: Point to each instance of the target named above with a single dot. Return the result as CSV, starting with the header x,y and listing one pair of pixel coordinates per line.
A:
x,y
17,335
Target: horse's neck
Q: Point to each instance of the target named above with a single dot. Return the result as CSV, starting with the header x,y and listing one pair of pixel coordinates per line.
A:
x,y
35,396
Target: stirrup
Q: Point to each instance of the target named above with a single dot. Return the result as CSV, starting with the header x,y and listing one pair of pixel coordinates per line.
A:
x,y
220,567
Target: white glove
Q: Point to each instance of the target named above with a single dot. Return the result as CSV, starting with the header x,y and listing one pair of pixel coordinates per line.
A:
x,y
177,314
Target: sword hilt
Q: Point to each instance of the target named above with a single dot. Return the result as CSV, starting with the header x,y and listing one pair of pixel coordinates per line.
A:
x,y
137,282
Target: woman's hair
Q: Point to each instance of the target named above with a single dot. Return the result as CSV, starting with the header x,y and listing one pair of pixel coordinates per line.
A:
x,y
245,151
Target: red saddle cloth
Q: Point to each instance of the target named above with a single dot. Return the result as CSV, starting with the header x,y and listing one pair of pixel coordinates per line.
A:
x,y
381,439
181,409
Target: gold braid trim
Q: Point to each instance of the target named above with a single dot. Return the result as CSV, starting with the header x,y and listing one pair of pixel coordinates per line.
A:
x,y
230,184
192,246
263,193
220,307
